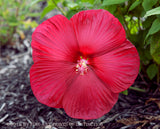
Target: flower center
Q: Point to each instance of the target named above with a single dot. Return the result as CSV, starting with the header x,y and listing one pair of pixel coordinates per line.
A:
x,y
82,66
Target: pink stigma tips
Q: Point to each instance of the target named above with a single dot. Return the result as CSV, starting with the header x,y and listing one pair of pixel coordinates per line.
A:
x,y
82,66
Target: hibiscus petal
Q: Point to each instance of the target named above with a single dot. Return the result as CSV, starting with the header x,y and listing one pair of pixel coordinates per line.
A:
x,y
54,39
97,31
49,80
88,98
118,68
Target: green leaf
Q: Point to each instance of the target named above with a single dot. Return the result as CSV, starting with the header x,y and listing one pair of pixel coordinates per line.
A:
x,y
154,28
152,70
125,92
154,11
145,55
72,5
111,8
86,5
148,4
148,22
47,10
135,4
155,47
90,1
112,2
70,13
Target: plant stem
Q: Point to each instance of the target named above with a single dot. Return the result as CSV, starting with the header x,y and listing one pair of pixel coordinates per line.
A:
x,y
59,8
137,89
139,23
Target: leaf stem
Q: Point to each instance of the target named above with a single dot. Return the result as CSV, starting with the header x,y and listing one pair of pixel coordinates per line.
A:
x,y
59,8
137,89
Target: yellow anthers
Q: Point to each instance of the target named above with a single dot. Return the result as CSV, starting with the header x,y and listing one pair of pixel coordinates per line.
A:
x,y
82,66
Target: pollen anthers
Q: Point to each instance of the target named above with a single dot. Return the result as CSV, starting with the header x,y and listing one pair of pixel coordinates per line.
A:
x,y
82,66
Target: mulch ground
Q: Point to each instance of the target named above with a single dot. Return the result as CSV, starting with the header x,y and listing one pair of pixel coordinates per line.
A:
x,y
19,109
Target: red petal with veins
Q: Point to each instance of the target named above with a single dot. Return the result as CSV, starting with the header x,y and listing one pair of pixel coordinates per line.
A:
x,y
49,80
54,39
88,98
97,31
118,68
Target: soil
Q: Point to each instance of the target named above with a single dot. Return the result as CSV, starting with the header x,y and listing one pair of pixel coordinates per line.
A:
x,y
19,109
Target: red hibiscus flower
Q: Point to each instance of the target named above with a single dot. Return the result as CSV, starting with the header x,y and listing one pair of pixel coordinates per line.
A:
x,y
82,64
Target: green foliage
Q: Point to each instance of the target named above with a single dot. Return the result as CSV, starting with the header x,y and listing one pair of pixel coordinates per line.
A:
x,y
13,18
151,12
135,4
154,28
148,4
70,7
140,18
155,47
125,92
112,2
152,71
46,10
